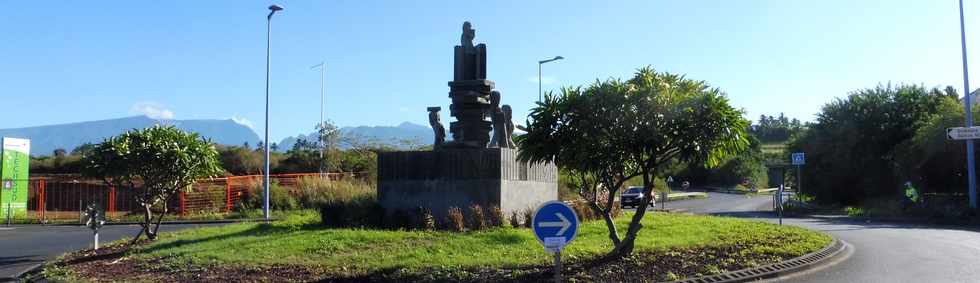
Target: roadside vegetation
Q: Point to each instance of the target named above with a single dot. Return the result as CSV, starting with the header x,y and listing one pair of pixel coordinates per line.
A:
x,y
300,248
866,149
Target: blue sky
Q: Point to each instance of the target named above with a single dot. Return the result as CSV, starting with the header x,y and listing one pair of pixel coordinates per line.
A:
x,y
69,61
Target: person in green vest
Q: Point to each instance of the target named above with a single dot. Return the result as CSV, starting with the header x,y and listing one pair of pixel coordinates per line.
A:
x,y
911,195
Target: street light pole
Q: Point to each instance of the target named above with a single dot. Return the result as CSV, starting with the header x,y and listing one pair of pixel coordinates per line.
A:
x,y
319,131
967,104
539,73
268,53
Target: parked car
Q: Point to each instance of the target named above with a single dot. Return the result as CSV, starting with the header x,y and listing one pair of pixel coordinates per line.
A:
x,y
632,197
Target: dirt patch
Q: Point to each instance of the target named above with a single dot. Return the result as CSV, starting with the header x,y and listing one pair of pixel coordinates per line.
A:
x,y
117,264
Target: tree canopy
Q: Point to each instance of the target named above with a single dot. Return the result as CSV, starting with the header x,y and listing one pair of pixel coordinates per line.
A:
x,y
614,130
155,163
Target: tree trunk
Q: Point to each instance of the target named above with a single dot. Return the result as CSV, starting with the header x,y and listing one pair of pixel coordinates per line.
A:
x,y
156,226
159,219
610,223
145,225
625,247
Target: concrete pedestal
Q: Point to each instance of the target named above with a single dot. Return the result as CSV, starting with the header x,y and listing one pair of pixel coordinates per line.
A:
x,y
444,178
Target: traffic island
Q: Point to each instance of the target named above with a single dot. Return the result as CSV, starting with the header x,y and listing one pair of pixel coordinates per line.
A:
x,y
670,247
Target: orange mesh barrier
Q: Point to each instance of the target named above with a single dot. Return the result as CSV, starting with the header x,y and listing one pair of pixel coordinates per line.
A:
x,y
64,197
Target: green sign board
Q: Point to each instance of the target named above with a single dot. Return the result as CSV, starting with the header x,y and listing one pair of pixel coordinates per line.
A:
x,y
14,177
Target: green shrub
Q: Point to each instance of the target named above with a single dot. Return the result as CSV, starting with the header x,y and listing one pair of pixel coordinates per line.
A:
x,y
358,212
399,219
279,199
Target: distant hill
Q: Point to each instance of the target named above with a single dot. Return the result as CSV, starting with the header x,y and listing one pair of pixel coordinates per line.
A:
x,y
403,135
45,139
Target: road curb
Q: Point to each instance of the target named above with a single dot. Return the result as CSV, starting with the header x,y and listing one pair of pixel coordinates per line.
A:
x,y
23,275
780,269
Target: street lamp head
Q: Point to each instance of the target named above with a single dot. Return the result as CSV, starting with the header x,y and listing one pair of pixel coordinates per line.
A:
x,y
273,9
552,59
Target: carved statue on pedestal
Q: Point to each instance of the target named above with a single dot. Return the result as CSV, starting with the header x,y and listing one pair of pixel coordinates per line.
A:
x,y
508,127
437,128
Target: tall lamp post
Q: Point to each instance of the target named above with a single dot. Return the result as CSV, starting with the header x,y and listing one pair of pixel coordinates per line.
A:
x,y
268,52
539,73
967,103
319,131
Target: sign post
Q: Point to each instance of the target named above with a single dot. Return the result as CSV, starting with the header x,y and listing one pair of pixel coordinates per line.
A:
x,y
779,204
968,134
14,175
555,225
94,219
798,160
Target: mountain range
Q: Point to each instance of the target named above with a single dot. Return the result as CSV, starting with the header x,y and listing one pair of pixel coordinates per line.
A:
x,y
45,139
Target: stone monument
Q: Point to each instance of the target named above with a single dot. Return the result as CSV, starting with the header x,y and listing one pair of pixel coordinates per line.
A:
x,y
472,168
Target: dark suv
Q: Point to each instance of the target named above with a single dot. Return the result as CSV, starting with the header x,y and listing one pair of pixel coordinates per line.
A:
x,y
632,197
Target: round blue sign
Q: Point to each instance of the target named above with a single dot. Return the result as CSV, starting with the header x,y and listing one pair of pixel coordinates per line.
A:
x,y
555,225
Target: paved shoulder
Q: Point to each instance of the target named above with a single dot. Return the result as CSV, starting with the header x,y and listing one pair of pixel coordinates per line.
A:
x,y
23,247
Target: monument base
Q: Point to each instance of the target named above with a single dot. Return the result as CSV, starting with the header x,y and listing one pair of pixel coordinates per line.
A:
x,y
444,178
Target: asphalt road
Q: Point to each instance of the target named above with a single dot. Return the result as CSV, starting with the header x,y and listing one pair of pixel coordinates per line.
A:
x,y
23,247
878,252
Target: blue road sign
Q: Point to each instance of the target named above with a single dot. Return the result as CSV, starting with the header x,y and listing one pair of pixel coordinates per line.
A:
x,y
798,158
555,225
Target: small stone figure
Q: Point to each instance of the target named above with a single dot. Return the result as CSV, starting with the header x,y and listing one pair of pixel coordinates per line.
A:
x,y
497,120
508,127
466,40
437,128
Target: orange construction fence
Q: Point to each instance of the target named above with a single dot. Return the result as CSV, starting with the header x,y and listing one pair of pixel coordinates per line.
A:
x,y
64,197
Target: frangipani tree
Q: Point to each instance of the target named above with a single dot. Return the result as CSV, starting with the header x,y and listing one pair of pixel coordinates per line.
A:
x,y
613,131
155,163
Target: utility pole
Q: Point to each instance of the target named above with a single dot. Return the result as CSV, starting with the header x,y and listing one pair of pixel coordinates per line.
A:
x,y
319,131
967,104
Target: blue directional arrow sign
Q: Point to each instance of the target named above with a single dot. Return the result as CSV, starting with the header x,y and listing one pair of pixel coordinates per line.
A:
x,y
555,225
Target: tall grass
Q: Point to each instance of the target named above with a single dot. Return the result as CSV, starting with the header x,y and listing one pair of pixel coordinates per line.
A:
x,y
312,191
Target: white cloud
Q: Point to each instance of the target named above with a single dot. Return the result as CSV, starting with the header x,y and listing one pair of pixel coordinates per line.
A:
x,y
544,80
244,122
151,109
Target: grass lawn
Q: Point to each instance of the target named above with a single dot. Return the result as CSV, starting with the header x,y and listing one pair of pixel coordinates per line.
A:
x,y
345,253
